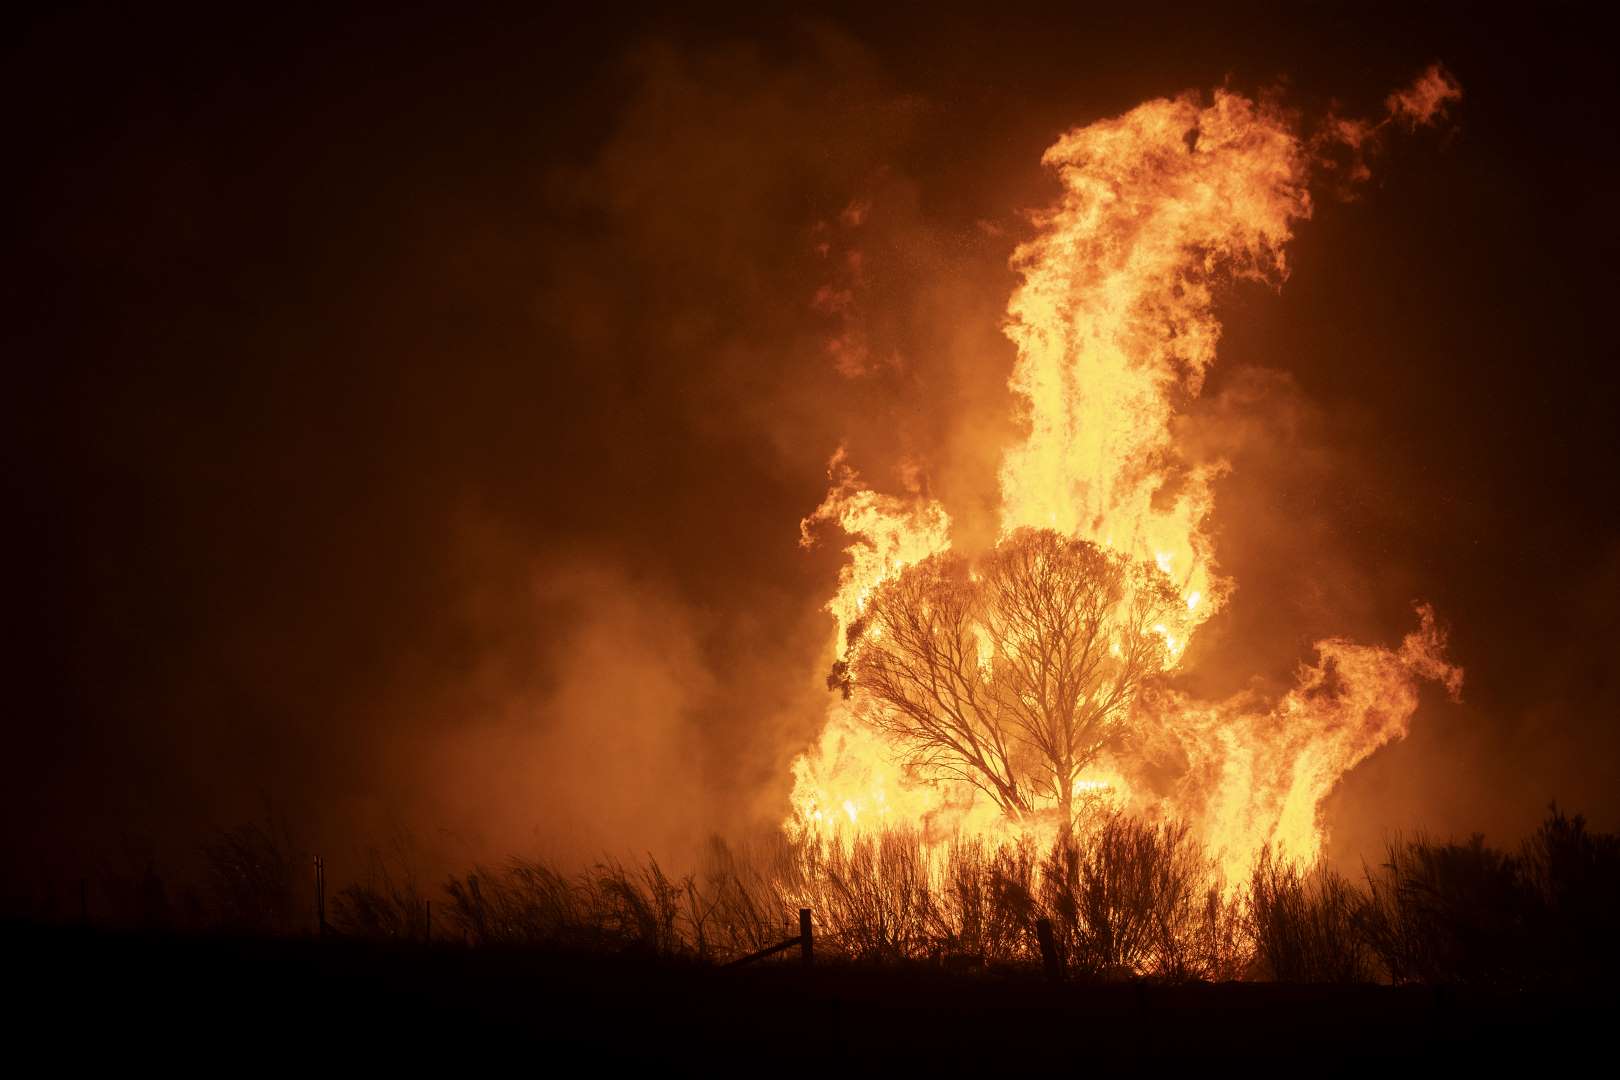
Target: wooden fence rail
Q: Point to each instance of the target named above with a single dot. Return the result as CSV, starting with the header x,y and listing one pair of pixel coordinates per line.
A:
x,y
805,941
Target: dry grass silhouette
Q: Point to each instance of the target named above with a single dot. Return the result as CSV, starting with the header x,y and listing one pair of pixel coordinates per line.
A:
x,y
1125,898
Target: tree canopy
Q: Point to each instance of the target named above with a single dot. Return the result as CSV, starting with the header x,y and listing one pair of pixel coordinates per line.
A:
x,y
1012,673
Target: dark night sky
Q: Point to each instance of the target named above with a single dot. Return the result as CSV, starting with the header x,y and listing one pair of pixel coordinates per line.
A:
x,y
409,418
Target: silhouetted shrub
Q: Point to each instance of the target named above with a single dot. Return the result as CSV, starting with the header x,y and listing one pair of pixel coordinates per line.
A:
x,y
1450,913
641,909
1213,942
1124,898
1574,876
1470,914
250,876
387,905
1306,926
529,903
874,895
988,902
740,905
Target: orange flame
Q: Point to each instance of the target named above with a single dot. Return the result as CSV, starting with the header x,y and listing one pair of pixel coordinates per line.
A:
x,y
890,534
1115,327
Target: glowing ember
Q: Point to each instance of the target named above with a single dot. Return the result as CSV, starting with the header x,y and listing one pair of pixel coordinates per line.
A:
x,y
1115,327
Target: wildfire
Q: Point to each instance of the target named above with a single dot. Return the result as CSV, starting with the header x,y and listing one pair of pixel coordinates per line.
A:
x,y
1114,326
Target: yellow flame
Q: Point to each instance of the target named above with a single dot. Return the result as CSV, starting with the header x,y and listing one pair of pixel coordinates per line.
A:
x,y
1114,327
889,533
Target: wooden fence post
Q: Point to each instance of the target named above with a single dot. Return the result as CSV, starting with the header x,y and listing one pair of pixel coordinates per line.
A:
x,y
320,895
807,941
1049,953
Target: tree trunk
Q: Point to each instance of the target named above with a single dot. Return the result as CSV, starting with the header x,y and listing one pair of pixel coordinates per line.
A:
x,y
1065,782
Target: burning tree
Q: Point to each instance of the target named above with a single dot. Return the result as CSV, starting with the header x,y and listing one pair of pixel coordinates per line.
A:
x,y
1115,327
1011,675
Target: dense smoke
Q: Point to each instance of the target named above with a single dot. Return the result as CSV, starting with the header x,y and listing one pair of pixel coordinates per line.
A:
x,y
416,435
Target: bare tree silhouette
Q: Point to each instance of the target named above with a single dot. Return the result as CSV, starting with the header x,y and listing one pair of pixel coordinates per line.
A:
x,y
1012,674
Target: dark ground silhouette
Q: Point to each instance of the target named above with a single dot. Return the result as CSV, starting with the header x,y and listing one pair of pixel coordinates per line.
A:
x,y
120,999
